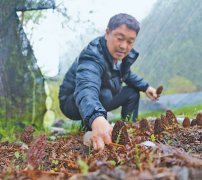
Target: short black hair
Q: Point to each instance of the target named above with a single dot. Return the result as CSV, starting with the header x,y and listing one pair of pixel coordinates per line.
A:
x,y
122,18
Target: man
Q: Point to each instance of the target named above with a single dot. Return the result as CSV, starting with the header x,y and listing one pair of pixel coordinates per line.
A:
x,y
93,84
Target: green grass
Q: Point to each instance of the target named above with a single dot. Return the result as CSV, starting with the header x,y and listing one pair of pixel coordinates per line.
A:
x,y
8,131
189,111
73,128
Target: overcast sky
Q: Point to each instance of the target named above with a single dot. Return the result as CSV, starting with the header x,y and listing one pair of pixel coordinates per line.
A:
x,y
49,36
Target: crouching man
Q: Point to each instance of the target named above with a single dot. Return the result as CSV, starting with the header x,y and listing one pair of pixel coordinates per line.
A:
x,y
93,84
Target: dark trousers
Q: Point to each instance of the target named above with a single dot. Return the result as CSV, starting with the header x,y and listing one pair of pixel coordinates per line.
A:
x,y
128,98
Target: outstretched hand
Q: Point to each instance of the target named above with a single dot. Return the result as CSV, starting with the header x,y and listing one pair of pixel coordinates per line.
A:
x,y
151,93
101,133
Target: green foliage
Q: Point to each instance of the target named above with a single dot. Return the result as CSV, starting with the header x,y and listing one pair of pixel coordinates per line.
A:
x,y
83,166
137,159
34,16
180,84
131,131
153,138
151,157
10,131
170,46
8,134
189,111
112,162
17,155
55,162
73,128
24,156
150,114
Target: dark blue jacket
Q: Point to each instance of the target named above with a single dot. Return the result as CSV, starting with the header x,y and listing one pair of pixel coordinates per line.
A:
x,y
93,70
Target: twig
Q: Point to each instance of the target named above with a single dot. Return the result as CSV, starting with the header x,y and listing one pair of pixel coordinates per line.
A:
x,y
9,149
115,144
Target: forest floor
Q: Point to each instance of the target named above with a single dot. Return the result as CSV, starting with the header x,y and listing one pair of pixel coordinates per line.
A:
x,y
160,149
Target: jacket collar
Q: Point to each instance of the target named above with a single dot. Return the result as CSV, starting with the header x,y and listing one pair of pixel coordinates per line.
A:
x,y
130,58
105,51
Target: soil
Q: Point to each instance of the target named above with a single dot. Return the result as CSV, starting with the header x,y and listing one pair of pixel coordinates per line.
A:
x,y
146,150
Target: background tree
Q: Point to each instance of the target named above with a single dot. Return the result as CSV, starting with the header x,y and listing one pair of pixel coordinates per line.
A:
x,y
170,45
22,93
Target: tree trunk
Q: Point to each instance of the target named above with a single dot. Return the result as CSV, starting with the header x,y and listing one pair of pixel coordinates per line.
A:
x,y
22,95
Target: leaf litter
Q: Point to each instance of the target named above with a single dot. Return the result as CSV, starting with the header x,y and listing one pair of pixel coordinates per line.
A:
x,y
175,153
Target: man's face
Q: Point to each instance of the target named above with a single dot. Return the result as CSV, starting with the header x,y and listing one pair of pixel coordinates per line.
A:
x,y
120,41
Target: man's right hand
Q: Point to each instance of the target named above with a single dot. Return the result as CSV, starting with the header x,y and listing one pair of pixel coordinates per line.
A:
x,y
101,133
151,93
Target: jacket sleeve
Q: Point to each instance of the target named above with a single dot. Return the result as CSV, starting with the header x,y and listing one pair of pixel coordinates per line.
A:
x,y
136,81
88,83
